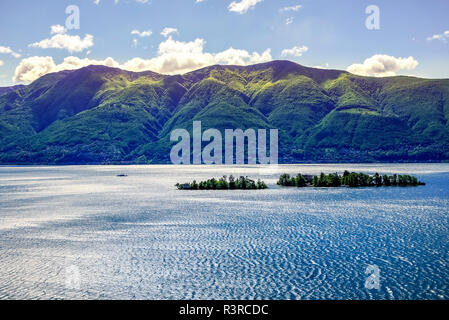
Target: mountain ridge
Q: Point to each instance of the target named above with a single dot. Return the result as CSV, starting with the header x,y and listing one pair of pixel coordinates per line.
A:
x,y
99,114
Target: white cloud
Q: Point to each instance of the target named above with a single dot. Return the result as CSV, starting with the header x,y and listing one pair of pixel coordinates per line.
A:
x,y
97,2
173,57
61,40
442,36
326,66
243,6
168,31
65,41
292,8
57,28
142,34
289,20
32,68
7,50
1,63
381,65
172,46
198,1
242,57
295,51
180,57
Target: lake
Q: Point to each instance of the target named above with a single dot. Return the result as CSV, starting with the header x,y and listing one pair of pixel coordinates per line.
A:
x,y
81,232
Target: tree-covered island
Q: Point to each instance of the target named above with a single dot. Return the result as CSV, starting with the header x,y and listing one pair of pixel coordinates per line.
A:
x,y
348,179
224,183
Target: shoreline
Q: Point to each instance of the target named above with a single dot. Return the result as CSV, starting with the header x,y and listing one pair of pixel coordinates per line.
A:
x,y
212,165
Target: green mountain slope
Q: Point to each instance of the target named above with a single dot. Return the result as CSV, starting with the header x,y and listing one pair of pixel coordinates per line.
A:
x,y
106,115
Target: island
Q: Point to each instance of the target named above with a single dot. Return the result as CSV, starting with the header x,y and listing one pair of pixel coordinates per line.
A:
x,y
331,180
348,179
224,183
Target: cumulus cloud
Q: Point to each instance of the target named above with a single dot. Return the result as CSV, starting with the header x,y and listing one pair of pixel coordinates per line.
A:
x,y
173,57
289,20
242,57
142,34
57,28
243,6
442,36
61,40
292,8
1,63
325,66
32,68
7,50
179,57
295,51
168,31
381,65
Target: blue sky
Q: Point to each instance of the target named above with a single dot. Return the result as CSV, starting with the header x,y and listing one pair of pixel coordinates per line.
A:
x,y
413,38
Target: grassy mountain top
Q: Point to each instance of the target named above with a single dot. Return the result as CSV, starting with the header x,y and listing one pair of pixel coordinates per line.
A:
x,y
99,114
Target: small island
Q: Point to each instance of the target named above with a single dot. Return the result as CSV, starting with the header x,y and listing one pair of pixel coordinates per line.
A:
x,y
242,183
348,179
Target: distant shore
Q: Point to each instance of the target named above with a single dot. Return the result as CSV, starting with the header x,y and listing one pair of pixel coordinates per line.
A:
x,y
126,163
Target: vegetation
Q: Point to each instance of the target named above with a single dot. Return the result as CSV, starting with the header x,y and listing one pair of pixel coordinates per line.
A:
x,y
98,114
242,183
298,181
348,179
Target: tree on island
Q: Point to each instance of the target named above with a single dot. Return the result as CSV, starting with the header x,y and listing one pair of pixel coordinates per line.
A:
x,y
349,179
286,180
243,183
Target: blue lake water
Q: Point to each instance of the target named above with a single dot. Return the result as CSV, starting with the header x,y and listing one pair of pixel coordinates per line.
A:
x,y
82,232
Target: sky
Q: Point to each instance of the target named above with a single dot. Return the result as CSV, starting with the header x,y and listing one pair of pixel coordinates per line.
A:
x,y
374,38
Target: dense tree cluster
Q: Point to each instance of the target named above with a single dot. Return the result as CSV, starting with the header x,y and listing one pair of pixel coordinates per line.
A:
x,y
349,179
298,181
223,183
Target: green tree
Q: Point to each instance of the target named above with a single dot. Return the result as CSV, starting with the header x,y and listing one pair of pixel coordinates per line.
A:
x,y
322,181
194,185
232,185
377,180
334,180
300,180
394,180
261,184
315,181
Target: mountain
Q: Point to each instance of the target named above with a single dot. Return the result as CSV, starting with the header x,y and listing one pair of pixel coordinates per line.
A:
x,y
4,90
99,114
